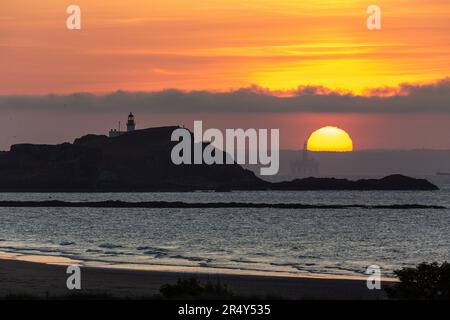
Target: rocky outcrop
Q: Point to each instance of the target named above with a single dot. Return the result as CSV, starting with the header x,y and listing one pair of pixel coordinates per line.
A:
x,y
140,161
136,161
392,182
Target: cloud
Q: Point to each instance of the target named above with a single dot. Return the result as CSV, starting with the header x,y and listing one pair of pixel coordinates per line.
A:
x,y
407,98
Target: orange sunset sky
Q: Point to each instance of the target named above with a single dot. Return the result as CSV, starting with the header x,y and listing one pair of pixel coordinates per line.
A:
x,y
217,45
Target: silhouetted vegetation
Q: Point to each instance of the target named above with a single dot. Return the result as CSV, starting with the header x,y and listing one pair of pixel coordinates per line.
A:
x,y
192,289
183,289
424,282
72,296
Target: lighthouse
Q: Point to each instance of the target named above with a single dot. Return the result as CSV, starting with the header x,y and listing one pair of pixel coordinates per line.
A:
x,y
131,125
306,166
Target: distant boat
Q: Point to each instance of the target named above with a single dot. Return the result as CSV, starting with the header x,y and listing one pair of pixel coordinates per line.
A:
x,y
443,173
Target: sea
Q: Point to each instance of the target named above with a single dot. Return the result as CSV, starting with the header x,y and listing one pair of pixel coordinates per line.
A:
x,y
337,242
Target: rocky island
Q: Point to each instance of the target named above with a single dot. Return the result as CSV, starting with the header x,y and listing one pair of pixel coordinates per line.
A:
x,y
140,161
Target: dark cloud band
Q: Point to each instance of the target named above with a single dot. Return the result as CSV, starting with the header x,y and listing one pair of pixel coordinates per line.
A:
x,y
407,98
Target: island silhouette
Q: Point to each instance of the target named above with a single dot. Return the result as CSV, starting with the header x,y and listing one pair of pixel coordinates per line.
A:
x,y
140,161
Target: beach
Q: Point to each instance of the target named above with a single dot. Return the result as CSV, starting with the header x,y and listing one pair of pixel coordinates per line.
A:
x,y
288,253
48,280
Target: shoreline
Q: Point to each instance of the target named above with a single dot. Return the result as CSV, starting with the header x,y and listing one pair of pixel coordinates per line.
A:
x,y
45,276
61,260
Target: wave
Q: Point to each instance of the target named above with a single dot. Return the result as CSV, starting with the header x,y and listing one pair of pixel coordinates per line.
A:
x,y
99,259
193,259
66,243
110,246
242,260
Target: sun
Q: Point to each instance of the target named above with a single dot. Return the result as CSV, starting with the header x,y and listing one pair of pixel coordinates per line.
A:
x,y
330,139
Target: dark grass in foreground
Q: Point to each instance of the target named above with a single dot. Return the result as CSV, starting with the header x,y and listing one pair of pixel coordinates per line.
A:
x,y
427,281
189,289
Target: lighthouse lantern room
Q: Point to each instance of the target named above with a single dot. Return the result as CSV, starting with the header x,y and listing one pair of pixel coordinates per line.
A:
x,y
131,126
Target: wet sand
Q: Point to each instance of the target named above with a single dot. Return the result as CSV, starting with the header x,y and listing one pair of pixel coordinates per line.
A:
x,y
47,280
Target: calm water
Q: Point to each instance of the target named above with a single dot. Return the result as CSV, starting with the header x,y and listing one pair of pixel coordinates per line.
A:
x,y
341,242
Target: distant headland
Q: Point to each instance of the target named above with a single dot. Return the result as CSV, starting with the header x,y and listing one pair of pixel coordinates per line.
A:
x,y
139,161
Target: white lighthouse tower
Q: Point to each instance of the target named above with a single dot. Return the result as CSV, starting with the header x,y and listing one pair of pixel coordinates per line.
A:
x,y
131,125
